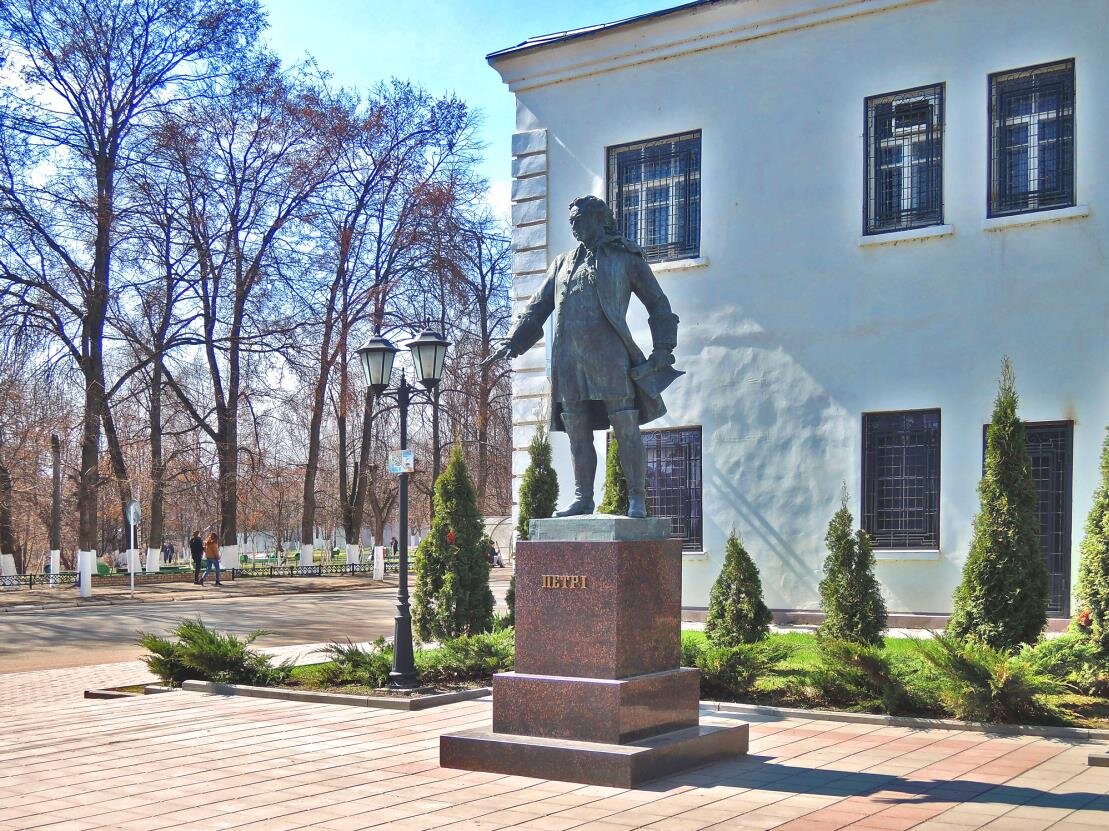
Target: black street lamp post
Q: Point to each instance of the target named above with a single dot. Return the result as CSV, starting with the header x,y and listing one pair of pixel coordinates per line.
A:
x,y
428,351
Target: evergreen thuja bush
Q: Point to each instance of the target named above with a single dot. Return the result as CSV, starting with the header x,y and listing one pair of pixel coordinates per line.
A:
x,y
1002,598
1092,588
510,602
539,490
737,613
452,596
850,596
614,497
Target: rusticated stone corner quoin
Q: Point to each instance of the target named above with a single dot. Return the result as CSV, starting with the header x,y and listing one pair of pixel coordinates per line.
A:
x,y
598,695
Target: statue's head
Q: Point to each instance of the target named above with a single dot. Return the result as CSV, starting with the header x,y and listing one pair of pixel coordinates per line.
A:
x,y
591,221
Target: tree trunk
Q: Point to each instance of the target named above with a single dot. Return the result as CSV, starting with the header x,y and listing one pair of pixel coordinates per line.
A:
x,y
90,440
7,531
157,463
312,465
362,472
56,495
119,470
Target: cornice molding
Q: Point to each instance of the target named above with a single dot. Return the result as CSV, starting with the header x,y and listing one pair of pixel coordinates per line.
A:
x,y
656,39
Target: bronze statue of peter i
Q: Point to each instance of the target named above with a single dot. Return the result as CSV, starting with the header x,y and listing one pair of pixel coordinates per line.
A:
x,y
599,376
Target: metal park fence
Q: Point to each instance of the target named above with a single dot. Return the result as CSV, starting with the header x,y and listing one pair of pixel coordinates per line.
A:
x,y
69,579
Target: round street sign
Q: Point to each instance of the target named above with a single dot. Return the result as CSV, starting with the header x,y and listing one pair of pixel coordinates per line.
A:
x,y
134,512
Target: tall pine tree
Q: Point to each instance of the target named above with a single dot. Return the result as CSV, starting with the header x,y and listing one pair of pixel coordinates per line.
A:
x,y
849,593
539,490
452,596
1002,599
737,613
1093,568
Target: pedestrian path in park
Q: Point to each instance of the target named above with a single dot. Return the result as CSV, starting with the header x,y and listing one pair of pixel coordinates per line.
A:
x,y
189,761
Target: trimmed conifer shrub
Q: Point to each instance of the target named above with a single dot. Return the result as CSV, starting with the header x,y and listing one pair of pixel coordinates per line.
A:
x,y
849,593
510,602
737,613
1092,588
452,596
614,498
1002,599
539,490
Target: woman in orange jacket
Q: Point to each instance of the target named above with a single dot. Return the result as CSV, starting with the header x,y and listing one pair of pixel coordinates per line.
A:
x,y
211,554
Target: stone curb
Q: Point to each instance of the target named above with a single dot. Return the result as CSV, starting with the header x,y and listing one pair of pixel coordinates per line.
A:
x,y
1081,733
1098,760
306,697
110,694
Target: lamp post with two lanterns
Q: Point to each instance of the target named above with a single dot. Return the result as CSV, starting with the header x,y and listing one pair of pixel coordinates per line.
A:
x,y
429,349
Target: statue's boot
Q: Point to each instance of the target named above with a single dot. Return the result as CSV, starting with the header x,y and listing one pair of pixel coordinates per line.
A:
x,y
579,429
633,459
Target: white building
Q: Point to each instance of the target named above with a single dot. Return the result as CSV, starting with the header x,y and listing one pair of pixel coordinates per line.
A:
x,y
856,207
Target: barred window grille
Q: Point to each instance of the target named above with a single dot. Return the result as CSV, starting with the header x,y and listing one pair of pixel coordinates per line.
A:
x,y
901,479
904,160
654,190
1032,139
674,482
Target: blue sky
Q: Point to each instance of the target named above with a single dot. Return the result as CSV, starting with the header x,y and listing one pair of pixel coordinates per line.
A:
x,y
440,44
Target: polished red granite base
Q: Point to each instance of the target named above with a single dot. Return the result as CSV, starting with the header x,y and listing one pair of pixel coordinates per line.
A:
x,y
625,621
595,709
598,695
592,763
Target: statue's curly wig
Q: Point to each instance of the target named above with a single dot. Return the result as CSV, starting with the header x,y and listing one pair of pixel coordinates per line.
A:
x,y
593,203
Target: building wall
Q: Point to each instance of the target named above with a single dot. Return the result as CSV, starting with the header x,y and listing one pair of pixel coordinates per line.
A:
x,y
791,329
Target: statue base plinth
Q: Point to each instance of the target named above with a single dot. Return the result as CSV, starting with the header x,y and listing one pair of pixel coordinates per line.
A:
x,y
592,763
598,695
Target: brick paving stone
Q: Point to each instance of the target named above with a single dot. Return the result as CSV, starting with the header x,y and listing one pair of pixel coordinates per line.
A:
x,y
185,760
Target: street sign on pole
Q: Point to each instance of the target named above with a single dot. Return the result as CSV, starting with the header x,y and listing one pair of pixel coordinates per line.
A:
x,y
134,516
401,461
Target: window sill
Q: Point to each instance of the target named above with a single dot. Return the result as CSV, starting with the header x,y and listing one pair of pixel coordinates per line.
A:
x,y
907,554
1002,223
695,556
912,235
680,265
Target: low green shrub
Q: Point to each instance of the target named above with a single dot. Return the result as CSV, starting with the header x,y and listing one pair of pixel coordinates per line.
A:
x,y
164,659
1071,659
350,665
469,658
862,677
985,684
203,654
730,672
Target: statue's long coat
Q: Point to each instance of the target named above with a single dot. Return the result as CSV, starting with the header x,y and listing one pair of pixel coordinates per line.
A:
x,y
621,272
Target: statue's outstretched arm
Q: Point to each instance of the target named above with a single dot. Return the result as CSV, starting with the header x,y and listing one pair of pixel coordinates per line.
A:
x,y
528,330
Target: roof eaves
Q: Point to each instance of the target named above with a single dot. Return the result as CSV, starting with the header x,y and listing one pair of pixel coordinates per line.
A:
x,y
541,41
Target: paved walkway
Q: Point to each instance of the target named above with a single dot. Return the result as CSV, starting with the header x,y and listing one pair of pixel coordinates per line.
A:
x,y
184,760
30,600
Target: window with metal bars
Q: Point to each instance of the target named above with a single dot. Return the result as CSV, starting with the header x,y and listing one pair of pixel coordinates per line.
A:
x,y
904,160
674,481
901,479
654,190
1032,139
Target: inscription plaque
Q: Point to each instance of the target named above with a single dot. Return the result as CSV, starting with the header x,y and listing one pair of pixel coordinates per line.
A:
x,y
564,581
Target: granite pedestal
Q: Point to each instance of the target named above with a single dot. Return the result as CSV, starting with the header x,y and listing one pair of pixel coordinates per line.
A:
x,y
598,695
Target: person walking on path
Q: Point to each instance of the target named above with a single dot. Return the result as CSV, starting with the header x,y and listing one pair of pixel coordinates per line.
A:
x,y
196,548
211,554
